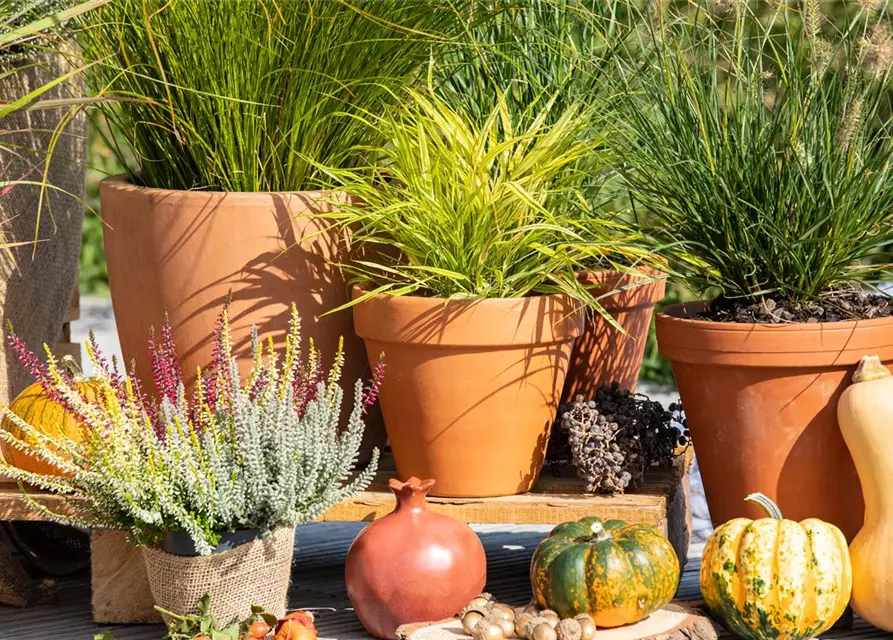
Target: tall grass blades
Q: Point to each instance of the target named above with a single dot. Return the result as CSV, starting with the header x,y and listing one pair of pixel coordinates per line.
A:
x,y
519,51
251,95
759,146
455,208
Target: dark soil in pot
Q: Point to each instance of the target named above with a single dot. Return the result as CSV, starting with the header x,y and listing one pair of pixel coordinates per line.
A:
x,y
834,307
180,544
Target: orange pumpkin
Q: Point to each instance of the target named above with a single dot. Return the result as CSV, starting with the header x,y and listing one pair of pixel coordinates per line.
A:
x,y
47,416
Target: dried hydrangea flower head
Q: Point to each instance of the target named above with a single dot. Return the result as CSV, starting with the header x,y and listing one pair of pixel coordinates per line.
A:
x,y
263,453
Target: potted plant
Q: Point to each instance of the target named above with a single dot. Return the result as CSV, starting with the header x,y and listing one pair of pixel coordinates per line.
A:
x,y
760,148
212,484
565,49
468,284
218,116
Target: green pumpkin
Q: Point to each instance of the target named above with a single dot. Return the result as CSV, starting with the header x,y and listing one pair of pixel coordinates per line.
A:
x,y
616,572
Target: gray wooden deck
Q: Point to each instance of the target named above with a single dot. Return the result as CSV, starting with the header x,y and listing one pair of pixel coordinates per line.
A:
x,y
318,585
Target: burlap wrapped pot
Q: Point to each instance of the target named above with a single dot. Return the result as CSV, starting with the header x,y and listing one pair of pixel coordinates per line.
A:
x,y
255,573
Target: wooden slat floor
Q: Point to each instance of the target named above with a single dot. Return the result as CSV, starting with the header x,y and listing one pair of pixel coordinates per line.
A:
x,y
318,585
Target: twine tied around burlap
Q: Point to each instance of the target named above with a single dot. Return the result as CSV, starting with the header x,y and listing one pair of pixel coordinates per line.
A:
x,y
255,573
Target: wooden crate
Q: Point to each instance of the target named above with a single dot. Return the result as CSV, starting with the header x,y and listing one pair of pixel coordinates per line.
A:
x,y
664,502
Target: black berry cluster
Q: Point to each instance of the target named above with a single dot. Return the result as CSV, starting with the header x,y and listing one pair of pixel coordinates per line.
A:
x,y
614,438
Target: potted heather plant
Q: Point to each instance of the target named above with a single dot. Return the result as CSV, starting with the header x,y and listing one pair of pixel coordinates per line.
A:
x,y
468,283
760,147
565,49
211,484
218,115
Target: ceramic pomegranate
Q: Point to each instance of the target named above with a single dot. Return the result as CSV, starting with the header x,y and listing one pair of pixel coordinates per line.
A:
x,y
413,565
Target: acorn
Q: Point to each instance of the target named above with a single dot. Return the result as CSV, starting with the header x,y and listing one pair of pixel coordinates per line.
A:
x,y
482,601
483,630
470,618
521,621
533,623
551,616
531,607
543,631
587,626
507,626
503,610
569,629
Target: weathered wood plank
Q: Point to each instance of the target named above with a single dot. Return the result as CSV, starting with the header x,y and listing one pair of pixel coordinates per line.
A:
x,y
662,502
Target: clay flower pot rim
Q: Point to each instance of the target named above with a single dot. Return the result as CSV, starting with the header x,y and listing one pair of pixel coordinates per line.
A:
x,y
642,289
358,290
602,276
680,312
473,322
121,183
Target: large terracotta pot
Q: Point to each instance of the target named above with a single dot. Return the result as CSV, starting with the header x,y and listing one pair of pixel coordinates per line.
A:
x,y
603,354
472,386
184,252
413,565
761,405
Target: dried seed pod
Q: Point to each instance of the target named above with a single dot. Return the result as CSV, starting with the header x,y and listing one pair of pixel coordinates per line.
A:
x,y
486,631
543,631
551,617
587,626
504,610
569,629
470,619
521,621
614,438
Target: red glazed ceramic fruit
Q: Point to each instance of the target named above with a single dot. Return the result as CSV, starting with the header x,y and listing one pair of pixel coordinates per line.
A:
x,y
413,565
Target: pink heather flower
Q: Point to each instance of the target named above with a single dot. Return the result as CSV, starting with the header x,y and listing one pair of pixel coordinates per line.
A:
x,y
372,388
110,371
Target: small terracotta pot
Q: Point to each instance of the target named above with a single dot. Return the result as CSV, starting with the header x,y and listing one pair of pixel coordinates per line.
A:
x,y
413,565
761,405
603,354
472,386
183,252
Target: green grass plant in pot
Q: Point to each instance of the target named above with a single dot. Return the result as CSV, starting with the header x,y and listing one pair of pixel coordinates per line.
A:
x,y
761,149
467,283
210,484
219,111
566,49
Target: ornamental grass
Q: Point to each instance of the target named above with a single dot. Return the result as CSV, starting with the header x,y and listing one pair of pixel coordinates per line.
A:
x,y
458,208
758,146
248,97
261,452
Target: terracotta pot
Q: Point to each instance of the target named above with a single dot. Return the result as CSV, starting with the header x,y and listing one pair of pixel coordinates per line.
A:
x,y
183,252
603,354
413,565
761,405
472,386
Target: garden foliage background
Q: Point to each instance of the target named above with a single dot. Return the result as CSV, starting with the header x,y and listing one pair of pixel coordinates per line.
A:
x,y
102,163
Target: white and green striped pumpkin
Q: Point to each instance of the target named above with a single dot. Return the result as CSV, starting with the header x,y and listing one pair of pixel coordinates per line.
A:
x,y
774,578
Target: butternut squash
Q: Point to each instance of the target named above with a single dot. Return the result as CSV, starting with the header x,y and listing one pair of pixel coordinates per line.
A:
x,y
865,415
